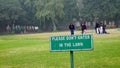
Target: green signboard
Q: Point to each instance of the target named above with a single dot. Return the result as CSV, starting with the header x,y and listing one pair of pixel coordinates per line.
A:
x,y
71,42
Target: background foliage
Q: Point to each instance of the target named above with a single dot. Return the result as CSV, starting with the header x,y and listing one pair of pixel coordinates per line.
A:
x,y
49,15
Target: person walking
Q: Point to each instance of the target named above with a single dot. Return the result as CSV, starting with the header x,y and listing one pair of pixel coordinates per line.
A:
x,y
83,28
104,28
72,28
97,28
101,28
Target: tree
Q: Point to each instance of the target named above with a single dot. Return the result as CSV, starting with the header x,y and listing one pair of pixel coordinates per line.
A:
x,y
52,11
102,9
47,14
28,7
71,10
10,11
49,10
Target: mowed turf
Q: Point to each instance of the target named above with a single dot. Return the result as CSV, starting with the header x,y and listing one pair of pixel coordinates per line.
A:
x,y
32,51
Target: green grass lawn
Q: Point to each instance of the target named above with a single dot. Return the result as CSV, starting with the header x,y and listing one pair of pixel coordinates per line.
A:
x,y
32,51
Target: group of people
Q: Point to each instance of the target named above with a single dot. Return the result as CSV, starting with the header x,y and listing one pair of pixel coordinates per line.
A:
x,y
72,28
21,29
100,28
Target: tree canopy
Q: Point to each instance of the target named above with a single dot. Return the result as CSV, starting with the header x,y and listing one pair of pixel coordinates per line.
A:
x,y
102,9
50,14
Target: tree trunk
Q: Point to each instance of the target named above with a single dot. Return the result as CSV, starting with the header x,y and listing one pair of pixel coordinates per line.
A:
x,y
54,26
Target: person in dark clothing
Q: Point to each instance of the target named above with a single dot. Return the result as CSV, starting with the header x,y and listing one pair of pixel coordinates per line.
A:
x,y
97,26
83,28
104,28
72,28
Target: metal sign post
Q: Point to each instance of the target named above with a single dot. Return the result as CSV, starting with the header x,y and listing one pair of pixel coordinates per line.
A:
x,y
72,59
